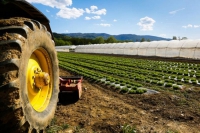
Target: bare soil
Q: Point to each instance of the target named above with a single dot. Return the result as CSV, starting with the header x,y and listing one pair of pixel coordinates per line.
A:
x,y
103,110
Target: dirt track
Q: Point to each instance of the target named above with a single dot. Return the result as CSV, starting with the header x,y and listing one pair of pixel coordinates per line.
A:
x,y
102,110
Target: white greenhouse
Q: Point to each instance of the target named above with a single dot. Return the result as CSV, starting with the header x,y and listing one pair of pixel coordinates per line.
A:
x,y
65,48
175,48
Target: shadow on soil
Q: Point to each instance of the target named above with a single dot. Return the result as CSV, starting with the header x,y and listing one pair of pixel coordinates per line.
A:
x,y
66,98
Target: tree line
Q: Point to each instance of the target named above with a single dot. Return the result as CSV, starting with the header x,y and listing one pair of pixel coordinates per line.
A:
x,y
66,40
61,40
178,38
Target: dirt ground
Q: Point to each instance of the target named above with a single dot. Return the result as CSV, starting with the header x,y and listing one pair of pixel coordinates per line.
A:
x,y
103,110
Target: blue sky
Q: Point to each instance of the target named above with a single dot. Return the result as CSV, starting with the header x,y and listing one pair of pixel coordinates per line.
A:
x,y
164,18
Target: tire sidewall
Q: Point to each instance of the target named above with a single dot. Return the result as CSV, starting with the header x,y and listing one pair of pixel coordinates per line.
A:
x,y
35,40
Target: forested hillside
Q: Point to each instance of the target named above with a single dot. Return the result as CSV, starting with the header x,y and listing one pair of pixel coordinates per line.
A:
x,y
99,38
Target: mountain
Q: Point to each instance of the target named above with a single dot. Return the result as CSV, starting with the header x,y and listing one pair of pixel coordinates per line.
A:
x,y
135,38
121,37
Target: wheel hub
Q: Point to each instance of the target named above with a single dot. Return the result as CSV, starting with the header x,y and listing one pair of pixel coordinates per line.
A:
x,y
41,78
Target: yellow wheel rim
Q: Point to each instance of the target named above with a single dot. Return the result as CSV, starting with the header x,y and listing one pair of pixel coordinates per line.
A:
x,y
40,93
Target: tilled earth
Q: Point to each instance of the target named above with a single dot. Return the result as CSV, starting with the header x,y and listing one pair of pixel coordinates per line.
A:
x,y
104,110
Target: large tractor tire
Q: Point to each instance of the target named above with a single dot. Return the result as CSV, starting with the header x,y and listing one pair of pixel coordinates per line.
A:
x,y
29,76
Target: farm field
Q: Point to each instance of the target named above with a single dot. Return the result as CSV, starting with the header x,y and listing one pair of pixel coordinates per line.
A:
x,y
152,96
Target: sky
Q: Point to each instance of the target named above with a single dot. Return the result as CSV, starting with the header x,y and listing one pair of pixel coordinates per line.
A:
x,y
163,18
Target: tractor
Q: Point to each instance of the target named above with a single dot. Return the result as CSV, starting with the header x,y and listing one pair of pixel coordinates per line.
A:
x,y
29,71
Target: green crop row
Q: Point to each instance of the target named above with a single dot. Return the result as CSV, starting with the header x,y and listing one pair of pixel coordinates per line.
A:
x,y
128,75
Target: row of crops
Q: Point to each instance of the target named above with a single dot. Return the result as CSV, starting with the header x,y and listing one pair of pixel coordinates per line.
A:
x,y
129,75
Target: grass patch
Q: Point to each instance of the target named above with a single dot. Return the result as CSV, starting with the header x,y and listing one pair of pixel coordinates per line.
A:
x,y
53,128
128,129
